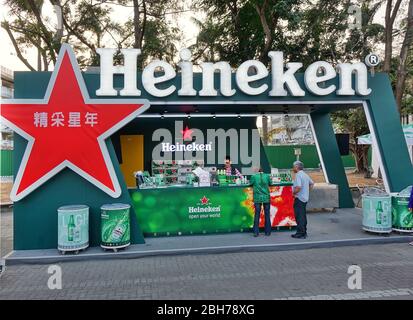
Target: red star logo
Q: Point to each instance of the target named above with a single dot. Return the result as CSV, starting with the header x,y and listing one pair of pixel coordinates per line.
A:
x,y
204,200
67,129
186,134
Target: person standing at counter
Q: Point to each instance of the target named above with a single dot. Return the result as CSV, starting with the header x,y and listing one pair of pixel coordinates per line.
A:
x,y
301,192
260,183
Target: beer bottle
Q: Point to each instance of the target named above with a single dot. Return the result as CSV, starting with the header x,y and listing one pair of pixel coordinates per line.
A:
x,y
379,213
71,228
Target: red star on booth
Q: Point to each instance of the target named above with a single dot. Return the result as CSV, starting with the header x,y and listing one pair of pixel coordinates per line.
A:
x,y
67,129
186,134
204,200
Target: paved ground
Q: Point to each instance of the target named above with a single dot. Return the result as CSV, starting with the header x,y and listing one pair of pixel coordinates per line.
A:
x,y
311,274
353,179
6,230
342,228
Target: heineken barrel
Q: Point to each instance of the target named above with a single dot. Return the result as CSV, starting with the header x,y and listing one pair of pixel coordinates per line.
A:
x,y
377,213
115,226
73,228
402,217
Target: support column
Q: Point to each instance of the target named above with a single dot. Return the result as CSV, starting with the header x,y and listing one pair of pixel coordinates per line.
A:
x,y
387,135
330,157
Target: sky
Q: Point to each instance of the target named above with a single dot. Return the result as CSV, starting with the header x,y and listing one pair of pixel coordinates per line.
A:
x,y
189,30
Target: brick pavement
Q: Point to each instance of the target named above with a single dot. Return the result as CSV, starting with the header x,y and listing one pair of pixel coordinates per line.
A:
x,y
302,274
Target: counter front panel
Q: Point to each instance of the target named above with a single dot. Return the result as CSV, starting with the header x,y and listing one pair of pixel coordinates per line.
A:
x,y
205,210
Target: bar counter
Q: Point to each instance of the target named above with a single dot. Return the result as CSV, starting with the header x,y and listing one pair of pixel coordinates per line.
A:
x,y
186,210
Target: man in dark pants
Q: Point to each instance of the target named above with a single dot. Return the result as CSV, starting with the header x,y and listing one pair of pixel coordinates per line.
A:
x,y
261,183
301,192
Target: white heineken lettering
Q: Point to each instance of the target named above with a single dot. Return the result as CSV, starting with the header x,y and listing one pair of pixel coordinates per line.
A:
x,y
244,79
283,77
192,147
107,70
346,70
149,80
206,209
287,77
312,78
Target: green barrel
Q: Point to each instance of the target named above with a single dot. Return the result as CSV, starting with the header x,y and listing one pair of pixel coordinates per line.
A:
x,y
73,228
115,226
377,213
402,217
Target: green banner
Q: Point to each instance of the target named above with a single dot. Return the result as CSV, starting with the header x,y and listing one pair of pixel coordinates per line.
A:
x,y
115,225
73,227
402,217
179,211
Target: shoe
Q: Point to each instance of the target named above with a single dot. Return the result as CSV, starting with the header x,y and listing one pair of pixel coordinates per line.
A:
x,y
411,243
268,234
299,236
256,235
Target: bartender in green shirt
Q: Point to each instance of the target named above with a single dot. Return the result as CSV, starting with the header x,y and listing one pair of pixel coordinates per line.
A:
x,y
260,183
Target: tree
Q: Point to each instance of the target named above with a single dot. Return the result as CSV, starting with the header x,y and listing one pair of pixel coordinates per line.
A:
x,y
354,123
390,16
151,28
84,24
405,58
88,25
238,30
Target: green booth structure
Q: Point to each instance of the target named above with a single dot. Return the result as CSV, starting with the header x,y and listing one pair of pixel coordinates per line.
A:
x,y
35,215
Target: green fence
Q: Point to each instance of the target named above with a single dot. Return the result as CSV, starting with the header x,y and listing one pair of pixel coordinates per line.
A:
x,y
6,163
283,156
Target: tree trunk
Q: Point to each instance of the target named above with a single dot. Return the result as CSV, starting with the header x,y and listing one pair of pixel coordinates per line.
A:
x,y
360,154
390,16
136,24
267,31
404,57
264,130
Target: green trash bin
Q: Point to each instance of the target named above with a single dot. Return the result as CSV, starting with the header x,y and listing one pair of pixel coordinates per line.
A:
x,y
402,217
377,215
73,228
115,226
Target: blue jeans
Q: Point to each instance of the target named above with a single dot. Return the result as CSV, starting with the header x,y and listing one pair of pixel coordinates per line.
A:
x,y
256,227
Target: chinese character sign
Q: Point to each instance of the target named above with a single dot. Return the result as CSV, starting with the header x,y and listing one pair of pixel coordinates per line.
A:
x,y
57,119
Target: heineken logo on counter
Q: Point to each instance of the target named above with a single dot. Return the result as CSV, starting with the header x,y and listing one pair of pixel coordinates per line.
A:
x,y
204,209
204,200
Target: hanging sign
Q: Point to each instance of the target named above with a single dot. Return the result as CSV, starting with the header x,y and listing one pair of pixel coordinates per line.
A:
x,y
156,74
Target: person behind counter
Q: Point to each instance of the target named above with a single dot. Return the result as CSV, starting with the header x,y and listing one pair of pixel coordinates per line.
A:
x,y
301,192
229,169
260,183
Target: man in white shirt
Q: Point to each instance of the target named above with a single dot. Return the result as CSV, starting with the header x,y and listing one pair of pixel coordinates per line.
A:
x,y
301,192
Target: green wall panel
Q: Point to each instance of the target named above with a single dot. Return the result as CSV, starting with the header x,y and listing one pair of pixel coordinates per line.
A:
x,y
283,156
6,163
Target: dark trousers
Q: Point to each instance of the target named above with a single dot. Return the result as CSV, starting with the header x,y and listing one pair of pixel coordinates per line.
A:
x,y
300,216
256,227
